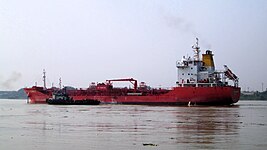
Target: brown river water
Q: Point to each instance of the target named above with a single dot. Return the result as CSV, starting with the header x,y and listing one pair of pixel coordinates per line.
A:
x,y
46,127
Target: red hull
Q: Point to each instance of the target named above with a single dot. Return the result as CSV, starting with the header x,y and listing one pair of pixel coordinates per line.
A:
x,y
178,95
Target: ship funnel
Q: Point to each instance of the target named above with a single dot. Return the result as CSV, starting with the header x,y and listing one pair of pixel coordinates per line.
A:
x,y
207,59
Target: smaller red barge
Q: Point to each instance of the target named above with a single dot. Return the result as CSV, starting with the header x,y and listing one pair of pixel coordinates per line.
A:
x,y
198,83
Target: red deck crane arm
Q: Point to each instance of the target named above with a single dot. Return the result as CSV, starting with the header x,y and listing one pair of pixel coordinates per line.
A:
x,y
133,81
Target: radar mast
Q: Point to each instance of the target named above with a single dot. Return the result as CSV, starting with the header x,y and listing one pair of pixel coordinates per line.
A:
x,y
44,79
196,51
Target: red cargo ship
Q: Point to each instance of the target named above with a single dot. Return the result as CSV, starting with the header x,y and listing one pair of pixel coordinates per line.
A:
x,y
198,83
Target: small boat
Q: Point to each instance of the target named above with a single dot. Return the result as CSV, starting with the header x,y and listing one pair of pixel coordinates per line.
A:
x,y
62,98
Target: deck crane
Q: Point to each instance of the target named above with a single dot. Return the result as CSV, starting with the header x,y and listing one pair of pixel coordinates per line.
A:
x,y
133,81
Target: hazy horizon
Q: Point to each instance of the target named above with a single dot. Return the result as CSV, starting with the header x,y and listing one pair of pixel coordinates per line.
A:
x,y
86,41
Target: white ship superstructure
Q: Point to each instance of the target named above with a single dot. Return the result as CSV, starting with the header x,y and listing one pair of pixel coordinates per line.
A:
x,y
198,71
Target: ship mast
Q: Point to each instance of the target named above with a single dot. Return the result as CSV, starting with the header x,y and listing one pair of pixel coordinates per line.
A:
x,y
196,50
60,83
44,79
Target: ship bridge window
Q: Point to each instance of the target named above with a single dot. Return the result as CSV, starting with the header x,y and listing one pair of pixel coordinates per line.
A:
x,y
188,73
182,73
191,67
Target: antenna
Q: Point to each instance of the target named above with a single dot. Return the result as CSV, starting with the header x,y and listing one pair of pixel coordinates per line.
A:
x,y
44,79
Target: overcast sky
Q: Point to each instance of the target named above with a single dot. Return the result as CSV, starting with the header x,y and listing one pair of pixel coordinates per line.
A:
x,y
93,40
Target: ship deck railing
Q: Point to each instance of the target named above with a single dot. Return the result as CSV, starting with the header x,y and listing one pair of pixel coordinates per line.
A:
x,y
201,85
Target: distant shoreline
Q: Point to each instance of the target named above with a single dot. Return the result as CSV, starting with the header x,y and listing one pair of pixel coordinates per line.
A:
x,y
20,94
253,95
